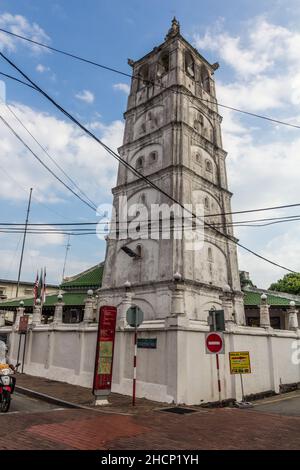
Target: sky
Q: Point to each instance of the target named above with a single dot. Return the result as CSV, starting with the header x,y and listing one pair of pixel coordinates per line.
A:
x,y
257,44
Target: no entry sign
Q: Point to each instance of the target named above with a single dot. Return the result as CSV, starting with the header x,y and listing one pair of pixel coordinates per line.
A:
x,y
214,343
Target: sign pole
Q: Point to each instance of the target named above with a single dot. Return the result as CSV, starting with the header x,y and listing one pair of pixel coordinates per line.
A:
x,y
242,386
25,341
134,367
19,347
218,374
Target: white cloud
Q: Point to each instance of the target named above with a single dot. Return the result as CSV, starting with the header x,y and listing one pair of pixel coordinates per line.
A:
x,y
86,96
42,68
263,158
81,157
124,87
18,24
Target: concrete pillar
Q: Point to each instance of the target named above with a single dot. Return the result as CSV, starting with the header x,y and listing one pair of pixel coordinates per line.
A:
x,y
89,303
293,317
264,313
177,305
20,313
125,305
37,313
178,315
59,308
227,305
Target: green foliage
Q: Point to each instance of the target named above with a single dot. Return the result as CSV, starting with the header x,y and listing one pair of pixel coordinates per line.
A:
x,y
290,283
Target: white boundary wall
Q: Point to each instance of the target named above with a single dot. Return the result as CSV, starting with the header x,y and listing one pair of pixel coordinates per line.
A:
x,y
177,371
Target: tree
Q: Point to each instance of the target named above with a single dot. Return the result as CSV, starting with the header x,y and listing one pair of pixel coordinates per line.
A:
x,y
290,283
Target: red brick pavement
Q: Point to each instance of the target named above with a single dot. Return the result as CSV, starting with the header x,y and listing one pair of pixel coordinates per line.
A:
x,y
213,429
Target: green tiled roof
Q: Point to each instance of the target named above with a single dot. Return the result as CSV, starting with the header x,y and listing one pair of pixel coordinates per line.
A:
x,y
252,299
92,278
68,298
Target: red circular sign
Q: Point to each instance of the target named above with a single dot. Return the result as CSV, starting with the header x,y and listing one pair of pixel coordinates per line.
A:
x,y
214,343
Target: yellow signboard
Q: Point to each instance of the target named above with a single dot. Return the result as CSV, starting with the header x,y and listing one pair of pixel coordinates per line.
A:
x,y
240,362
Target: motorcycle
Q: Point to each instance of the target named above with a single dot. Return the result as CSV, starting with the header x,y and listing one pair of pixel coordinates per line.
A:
x,y
6,387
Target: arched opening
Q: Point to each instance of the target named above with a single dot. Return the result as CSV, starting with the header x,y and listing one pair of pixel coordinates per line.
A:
x,y
153,157
189,64
163,65
205,79
140,163
198,158
139,251
143,76
208,166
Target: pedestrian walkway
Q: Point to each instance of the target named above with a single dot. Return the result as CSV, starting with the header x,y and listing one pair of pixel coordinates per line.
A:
x,y
83,396
120,426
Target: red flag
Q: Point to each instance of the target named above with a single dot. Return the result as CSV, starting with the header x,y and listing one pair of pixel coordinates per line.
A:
x,y
36,287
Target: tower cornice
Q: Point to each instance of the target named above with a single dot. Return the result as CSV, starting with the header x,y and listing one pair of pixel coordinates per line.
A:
x,y
168,42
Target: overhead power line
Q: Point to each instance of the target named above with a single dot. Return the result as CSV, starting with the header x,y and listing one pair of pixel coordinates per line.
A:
x,y
48,155
44,164
149,182
138,77
149,220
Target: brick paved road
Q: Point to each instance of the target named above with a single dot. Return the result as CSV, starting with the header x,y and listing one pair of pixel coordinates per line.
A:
x,y
49,428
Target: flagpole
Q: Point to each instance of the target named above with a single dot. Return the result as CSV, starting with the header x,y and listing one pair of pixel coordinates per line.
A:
x,y
23,244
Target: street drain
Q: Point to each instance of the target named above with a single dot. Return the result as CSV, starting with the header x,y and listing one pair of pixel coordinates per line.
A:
x,y
178,410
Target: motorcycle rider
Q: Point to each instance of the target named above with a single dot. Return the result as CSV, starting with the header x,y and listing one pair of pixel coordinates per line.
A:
x,y
4,362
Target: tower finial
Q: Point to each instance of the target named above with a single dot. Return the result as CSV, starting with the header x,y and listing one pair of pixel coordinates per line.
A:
x,y
174,30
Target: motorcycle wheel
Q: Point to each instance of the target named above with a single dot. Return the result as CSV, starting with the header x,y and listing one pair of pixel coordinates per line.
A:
x,y
5,402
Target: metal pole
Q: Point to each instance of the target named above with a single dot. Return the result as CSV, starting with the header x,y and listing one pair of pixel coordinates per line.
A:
x,y
134,367
23,245
19,347
218,374
25,341
66,255
242,386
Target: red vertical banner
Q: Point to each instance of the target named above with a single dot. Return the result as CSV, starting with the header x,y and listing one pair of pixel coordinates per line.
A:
x,y
105,349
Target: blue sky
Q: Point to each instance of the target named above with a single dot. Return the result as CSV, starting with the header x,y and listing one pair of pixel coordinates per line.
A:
x,y
256,44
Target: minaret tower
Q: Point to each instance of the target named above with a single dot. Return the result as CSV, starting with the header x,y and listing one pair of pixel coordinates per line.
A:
x,y
173,137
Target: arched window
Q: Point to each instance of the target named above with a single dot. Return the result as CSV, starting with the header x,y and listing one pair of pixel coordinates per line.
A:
x,y
139,251
198,158
140,163
209,255
143,76
153,157
189,64
206,203
208,166
205,78
163,65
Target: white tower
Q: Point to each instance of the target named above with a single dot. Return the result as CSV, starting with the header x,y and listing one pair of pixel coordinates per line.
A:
x,y
173,137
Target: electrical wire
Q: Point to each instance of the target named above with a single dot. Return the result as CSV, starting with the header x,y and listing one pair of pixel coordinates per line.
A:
x,y
44,164
152,82
115,155
48,155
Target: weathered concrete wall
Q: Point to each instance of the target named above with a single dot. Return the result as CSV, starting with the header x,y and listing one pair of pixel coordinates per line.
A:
x,y
178,370
60,352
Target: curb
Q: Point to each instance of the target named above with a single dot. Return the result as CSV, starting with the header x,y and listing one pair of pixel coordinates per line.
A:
x,y
48,398
66,404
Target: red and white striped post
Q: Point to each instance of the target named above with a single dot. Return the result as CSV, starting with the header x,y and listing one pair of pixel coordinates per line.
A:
x,y
134,368
218,374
